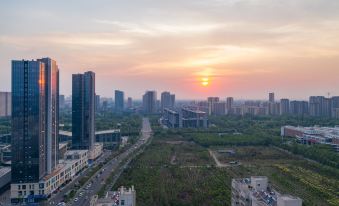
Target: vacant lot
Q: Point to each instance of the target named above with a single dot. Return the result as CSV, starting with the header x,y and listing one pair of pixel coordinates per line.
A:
x,y
174,171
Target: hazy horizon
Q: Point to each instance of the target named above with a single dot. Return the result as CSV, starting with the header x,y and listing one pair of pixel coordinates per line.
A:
x,y
192,48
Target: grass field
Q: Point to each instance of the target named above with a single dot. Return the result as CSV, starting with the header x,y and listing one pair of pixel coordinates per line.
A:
x,y
174,171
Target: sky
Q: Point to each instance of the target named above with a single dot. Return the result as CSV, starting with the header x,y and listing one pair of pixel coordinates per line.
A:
x,y
193,48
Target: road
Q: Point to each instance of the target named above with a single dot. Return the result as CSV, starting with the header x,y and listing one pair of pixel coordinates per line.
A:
x,y
58,197
98,180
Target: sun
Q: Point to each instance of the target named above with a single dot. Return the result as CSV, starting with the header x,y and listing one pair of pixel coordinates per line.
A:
x,y
205,81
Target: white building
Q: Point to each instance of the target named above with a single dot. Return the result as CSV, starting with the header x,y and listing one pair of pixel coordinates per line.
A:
x,y
255,191
122,197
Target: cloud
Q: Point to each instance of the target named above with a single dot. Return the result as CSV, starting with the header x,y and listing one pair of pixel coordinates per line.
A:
x,y
156,29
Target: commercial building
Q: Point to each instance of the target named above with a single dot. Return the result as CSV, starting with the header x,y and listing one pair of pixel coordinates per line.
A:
x,y
109,138
83,110
256,191
149,102
184,118
271,97
171,118
75,161
119,100
96,152
122,197
313,135
35,120
5,104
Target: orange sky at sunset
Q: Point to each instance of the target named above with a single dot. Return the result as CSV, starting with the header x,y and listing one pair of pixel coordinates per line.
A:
x,y
192,48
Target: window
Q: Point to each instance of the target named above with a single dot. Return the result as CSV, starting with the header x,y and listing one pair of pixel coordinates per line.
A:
x,y
122,202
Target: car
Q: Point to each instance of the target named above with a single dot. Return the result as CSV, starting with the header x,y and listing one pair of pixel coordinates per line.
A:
x,y
61,204
76,199
81,194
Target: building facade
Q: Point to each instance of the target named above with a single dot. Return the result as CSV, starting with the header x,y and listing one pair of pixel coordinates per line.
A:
x,y
149,102
119,100
167,100
5,104
284,106
35,120
83,110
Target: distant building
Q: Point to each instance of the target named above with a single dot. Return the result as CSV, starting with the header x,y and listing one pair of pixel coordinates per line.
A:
x,y
211,101
5,104
83,107
219,108
284,106
320,106
119,100
255,191
129,102
299,108
271,97
313,135
62,102
122,197
184,118
229,105
97,103
149,102
167,100
173,100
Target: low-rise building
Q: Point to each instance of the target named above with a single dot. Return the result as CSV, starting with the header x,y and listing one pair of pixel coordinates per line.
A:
x,y
122,197
109,138
255,191
95,152
74,162
186,117
313,135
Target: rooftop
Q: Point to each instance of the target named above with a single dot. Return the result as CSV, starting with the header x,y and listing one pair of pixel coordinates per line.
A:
x,y
4,170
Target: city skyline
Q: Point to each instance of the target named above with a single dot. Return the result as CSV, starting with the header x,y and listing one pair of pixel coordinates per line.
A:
x,y
193,48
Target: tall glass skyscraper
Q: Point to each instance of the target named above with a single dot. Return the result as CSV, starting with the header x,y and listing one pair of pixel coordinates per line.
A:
x,y
35,120
83,110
